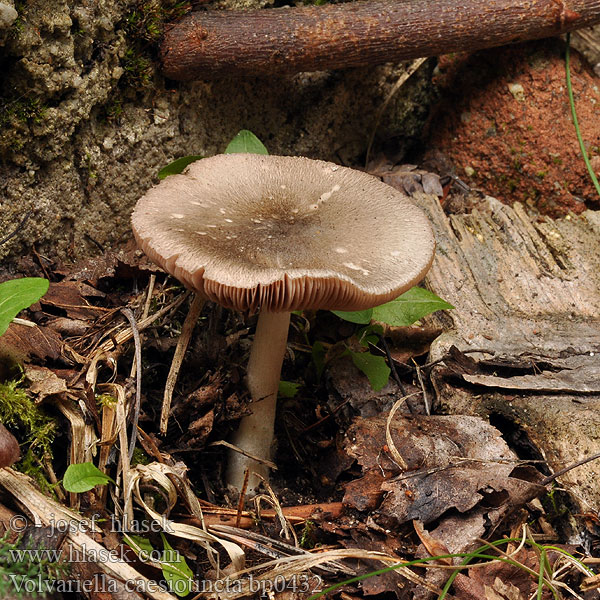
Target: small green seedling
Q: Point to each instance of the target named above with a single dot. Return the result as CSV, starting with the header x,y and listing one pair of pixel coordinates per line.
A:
x,y
244,142
18,294
405,310
175,569
83,477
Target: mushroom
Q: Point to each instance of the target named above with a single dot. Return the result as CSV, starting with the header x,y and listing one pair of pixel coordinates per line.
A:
x,y
277,234
9,448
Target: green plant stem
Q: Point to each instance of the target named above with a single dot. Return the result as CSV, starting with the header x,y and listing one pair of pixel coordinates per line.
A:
x,y
574,114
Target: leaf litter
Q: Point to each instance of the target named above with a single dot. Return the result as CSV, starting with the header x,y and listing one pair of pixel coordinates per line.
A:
x,y
384,491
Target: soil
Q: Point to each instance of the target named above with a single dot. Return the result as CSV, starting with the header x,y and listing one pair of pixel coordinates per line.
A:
x,y
505,123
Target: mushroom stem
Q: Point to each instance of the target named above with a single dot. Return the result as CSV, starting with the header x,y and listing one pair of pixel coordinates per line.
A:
x,y
207,44
255,433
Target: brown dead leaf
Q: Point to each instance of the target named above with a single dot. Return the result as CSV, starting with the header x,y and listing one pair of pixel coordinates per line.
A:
x,y
128,263
392,581
21,343
502,591
434,546
68,327
348,385
454,462
44,382
409,342
506,581
199,430
364,493
72,297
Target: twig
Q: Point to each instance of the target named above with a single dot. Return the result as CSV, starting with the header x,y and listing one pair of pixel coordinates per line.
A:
x,y
574,465
127,334
182,344
17,229
138,379
392,364
232,43
151,283
401,80
422,384
263,461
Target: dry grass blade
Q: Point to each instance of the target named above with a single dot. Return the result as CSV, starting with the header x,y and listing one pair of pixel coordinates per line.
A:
x,y
414,65
287,532
388,436
274,548
264,461
135,413
45,511
124,452
108,436
184,339
293,566
161,475
83,437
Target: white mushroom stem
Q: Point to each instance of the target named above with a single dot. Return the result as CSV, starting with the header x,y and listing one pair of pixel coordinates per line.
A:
x,y
255,433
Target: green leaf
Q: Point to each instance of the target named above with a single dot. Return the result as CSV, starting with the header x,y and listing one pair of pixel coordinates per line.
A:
x,y
369,335
410,307
246,142
288,389
374,367
140,545
178,165
83,477
17,294
175,570
358,316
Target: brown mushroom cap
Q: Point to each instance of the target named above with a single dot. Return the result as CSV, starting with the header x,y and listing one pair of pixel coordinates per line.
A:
x,y
284,233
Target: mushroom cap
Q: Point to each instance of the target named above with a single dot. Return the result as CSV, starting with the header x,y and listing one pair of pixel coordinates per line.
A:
x,y
284,233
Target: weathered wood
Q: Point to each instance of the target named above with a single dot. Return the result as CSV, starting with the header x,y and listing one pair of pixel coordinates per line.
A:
x,y
207,44
527,296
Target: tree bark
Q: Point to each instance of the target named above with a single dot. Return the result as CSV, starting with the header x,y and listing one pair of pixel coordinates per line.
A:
x,y
209,44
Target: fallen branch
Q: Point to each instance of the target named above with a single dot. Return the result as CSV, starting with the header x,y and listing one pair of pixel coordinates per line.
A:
x,y
206,44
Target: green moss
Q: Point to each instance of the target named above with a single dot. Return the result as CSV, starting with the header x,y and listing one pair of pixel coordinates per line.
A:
x,y
139,70
106,400
37,429
27,110
308,537
26,569
140,458
113,111
144,26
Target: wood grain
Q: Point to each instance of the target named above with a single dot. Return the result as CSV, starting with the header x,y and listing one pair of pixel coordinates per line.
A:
x,y
206,44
